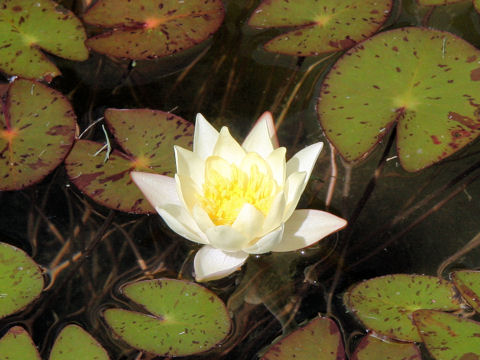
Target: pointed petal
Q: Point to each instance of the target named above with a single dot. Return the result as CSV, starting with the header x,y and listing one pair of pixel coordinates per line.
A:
x,y
201,218
249,221
277,163
294,187
258,139
179,220
255,160
305,227
212,264
227,148
204,138
267,243
304,160
158,189
275,216
226,238
187,191
190,164
272,131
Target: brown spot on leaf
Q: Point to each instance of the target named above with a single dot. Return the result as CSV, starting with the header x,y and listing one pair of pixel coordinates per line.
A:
x,y
84,180
471,58
465,120
435,140
475,74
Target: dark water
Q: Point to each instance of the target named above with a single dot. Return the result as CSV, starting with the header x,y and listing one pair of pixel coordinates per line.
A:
x,y
405,223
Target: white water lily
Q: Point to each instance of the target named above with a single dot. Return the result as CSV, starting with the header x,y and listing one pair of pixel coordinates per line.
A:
x,y
237,199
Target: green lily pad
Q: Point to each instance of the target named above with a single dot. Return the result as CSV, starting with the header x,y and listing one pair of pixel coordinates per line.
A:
x,y
428,81
320,27
468,284
147,138
27,26
18,345
319,336
74,343
146,29
437,2
385,304
372,348
37,129
21,280
185,318
448,336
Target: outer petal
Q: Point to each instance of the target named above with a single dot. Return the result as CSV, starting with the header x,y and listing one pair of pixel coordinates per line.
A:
x,y
277,163
267,243
275,216
294,187
187,191
179,220
190,164
228,149
249,221
304,160
226,238
258,139
212,264
201,218
204,138
305,227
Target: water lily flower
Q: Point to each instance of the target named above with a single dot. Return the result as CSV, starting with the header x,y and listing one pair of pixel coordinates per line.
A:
x,y
236,199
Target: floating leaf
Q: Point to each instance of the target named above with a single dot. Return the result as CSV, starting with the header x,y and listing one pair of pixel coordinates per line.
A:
x,y
448,336
426,80
147,137
17,344
321,27
146,29
319,336
371,348
185,318
21,280
27,26
468,284
385,304
37,129
74,343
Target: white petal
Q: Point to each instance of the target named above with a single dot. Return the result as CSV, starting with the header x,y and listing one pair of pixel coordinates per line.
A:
x,y
304,160
190,164
254,160
267,243
228,149
204,138
179,220
276,160
294,187
201,218
226,238
258,139
275,216
187,191
305,227
212,264
249,221
159,189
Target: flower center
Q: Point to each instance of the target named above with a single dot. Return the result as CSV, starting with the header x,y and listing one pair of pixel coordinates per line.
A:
x,y
227,188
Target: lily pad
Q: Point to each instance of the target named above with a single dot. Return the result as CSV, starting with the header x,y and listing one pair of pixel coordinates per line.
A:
x,y
468,284
427,81
37,129
21,280
147,29
74,343
385,304
372,348
448,336
437,2
319,336
321,27
18,345
184,318
147,138
27,26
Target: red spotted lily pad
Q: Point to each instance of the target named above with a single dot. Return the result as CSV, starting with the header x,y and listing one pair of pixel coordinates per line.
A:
x,y
74,343
146,29
385,304
468,284
427,81
183,318
146,138
320,27
319,336
27,26
37,129
17,344
21,280
447,336
372,348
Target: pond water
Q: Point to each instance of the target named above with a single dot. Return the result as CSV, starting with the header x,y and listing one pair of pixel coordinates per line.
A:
x,y
399,221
